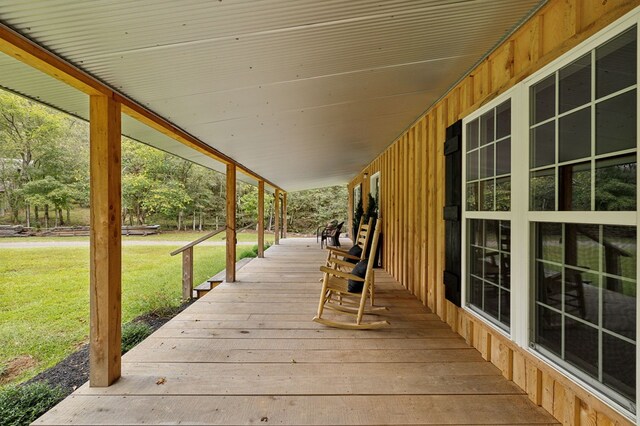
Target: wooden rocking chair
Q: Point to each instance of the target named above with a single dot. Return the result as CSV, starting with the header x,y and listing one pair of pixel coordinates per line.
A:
x,y
335,282
337,258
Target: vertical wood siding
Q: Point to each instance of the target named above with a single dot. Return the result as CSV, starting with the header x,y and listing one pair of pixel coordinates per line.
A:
x,y
412,197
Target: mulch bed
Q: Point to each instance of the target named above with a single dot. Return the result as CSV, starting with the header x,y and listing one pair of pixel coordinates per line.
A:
x,y
73,371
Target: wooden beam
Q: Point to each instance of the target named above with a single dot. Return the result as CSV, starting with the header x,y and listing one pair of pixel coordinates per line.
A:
x,y
231,223
105,237
260,218
26,51
276,214
30,53
284,215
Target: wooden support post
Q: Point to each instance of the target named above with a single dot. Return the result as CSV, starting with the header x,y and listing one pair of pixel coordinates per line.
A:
x,y
187,274
261,218
231,223
105,248
276,208
284,215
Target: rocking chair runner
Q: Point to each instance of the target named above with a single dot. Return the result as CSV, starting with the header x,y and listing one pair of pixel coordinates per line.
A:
x,y
335,282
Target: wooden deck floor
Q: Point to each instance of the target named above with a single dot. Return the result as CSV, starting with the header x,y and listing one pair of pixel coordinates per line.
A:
x,y
248,353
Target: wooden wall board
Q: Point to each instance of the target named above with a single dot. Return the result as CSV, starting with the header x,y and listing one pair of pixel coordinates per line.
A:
x,y
410,213
441,125
396,212
528,43
452,315
431,213
558,25
424,211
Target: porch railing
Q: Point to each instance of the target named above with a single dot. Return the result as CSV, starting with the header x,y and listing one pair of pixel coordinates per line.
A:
x,y
187,262
187,259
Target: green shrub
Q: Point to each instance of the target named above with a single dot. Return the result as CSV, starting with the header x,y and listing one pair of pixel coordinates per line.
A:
x,y
21,405
134,333
158,303
253,251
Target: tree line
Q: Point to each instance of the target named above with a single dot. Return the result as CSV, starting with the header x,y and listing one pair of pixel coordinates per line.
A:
x,y
44,176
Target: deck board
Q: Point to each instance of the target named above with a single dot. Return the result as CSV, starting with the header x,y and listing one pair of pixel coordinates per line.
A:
x,y
249,353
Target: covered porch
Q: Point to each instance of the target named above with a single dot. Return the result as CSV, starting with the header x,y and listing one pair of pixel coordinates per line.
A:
x,y
380,96
248,353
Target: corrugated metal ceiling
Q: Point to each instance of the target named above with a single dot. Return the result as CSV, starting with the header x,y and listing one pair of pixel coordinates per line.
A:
x,y
303,92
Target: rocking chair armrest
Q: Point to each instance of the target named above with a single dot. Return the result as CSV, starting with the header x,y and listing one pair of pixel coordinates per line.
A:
x,y
341,252
341,263
341,274
338,252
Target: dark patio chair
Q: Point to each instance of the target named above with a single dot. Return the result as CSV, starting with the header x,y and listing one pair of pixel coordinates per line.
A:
x,y
331,235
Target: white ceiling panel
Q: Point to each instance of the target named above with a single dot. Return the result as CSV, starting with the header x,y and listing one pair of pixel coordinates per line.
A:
x,y
303,92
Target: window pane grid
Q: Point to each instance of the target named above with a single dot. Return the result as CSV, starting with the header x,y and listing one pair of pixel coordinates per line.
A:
x,y
565,172
587,105
594,158
568,293
578,319
488,272
488,169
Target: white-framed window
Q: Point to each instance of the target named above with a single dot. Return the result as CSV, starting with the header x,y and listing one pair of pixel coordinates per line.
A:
x,y
374,188
582,188
487,211
583,132
549,239
357,196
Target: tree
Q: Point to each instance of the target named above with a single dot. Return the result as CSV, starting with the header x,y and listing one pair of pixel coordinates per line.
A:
x,y
135,188
36,142
167,199
616,187
306,210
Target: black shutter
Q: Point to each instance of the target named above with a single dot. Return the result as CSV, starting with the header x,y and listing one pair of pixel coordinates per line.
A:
x,y
452,212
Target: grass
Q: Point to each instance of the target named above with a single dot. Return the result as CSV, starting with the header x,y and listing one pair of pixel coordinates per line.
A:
x,y
253,251
21,405
245,236
44,295
134,333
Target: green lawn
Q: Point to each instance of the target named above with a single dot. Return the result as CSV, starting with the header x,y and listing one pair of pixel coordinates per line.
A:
x,y
44,295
